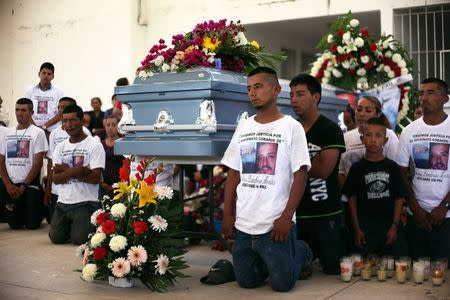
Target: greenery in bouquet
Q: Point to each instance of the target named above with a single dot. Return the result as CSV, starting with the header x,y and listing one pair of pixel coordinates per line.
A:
x,y
351,59
210,44
138,235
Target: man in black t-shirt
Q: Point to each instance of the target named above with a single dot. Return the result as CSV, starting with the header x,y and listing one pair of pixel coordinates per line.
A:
x,y
319,215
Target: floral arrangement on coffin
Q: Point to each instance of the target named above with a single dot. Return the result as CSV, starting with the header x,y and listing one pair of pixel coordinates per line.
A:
x,y
209,44
353,60
137,236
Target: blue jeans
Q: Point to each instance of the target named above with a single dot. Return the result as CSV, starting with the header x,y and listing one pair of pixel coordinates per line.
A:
x,y
256,257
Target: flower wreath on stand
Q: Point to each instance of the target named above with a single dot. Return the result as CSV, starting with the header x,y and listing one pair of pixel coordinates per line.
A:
x,y
209,44
138,236
353,60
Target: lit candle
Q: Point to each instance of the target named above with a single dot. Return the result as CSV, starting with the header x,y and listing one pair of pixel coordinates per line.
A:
x,y
346,270
356,264
366,272
401,267
437,277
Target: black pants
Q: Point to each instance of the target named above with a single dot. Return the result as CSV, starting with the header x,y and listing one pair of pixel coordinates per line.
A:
x,y
325,236
434,244
27,210
375,231
72,222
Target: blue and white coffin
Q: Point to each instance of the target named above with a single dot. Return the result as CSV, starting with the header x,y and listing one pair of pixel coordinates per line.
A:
x,y
191,116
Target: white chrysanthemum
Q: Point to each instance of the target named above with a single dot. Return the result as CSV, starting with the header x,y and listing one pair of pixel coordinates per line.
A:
x,y
159,60
173,67
404,71
80,250
142,74
330,38
336,73
325,80
240,39
354,22
97,239
137,255
89,272
164,192
388,54
396,58
346,37
162,264
391,74
361,72
158,223
346,64
120,267
386,69
118,243
118,210
327,74
106,198
362,84
95,215
402,64
364,59
165,67
359,42
115,185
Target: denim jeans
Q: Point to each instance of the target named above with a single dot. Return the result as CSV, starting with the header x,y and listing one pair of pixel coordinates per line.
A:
x,y
257,257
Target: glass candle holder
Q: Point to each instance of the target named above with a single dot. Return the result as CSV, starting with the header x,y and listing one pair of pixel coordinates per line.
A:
x,y
373,263
437,272
381,271
401,268
366,272
346,268
390,265
357,261
418,271
426,267
409,266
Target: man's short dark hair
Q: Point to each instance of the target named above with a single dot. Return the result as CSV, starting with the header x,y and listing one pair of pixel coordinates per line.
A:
x,y
47,65
272,74
112,97
441,84
122,81
74,109
26,101
310,81
68,99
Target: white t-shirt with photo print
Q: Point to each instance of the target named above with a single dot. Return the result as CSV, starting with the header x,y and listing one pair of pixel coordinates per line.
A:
x,y
45,104
57,136
90,153
428,148
266,155
19,148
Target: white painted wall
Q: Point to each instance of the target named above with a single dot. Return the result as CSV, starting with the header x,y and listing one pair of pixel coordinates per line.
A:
x,y
94,42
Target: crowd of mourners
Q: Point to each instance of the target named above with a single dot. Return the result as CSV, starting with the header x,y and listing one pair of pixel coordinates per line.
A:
x,y
297,189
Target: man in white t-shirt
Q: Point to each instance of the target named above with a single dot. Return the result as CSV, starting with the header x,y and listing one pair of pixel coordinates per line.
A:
x,y
78,163
22,150
56,136
261,197
426,143
45,99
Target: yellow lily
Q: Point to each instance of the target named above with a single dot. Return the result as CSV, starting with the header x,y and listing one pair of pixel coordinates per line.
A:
x,y
122,190
146,194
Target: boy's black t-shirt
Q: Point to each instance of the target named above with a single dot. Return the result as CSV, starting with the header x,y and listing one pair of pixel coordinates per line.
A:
x,y
321,196
376,185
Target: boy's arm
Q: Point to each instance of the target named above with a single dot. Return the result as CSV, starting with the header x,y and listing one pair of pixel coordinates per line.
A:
x,y
229,208
282,225
360,239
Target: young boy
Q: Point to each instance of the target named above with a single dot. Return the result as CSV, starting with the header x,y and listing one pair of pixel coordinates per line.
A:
x,y
376,194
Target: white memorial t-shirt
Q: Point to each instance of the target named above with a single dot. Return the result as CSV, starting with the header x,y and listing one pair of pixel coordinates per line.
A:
x,y
57,136
266,155
355,149
428,147
19,148
45,104
90,153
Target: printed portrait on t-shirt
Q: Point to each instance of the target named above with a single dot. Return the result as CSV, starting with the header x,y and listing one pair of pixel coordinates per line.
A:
x,y
248,158
23,148
78,160
438,159
42,107
420,153
11,148
266,158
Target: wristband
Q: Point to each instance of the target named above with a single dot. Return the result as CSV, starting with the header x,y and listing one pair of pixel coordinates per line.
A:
x,y
25,184
445,204
395,223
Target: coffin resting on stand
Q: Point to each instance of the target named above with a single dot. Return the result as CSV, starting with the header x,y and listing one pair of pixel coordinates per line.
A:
x,y
190,117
